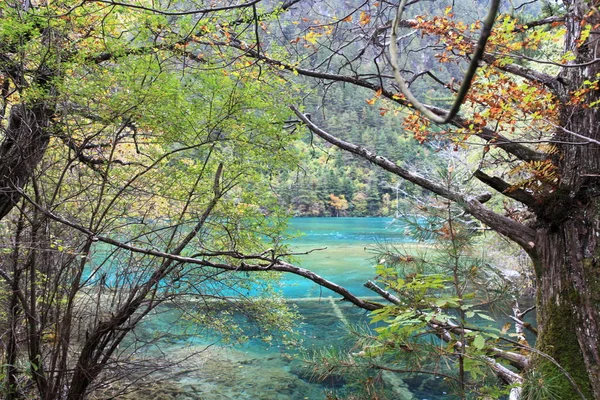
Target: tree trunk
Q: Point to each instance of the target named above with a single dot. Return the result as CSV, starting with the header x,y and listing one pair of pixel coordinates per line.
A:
x,y
567,269
23,147
12,348
567,249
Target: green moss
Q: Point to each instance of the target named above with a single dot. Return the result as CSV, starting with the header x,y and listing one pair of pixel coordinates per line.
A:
x,y
559,340
591,270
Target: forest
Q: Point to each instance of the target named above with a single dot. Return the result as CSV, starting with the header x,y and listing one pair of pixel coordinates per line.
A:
x,y
152,153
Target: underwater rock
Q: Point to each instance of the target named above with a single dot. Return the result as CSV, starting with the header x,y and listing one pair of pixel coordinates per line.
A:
x,y
219,374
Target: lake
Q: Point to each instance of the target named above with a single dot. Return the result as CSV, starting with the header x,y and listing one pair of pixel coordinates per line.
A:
x,y
258,370
346,258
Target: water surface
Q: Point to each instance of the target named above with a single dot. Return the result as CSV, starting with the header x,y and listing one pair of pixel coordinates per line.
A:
x,y
259,370
347,257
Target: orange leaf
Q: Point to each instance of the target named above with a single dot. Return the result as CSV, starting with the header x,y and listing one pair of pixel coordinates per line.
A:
x,y
364,18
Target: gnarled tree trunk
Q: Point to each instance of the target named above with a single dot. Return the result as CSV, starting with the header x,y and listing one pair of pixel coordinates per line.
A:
x,y
23,147
567,249
568,274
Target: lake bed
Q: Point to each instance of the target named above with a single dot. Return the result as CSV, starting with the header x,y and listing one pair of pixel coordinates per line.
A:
x,y
339,249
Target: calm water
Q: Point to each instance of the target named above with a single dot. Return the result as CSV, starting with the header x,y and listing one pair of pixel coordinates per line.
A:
x,y
346,258
256,370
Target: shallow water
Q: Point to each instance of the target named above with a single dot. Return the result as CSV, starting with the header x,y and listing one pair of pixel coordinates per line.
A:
x,y
258,370
254,369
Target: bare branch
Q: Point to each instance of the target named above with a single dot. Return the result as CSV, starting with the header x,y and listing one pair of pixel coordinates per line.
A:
x,y
518,360
524,324
521,234
383,293
177,13
506,189
468,78
551,82
506,374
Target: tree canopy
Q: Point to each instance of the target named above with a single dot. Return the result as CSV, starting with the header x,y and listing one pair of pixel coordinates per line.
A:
x,y
157,130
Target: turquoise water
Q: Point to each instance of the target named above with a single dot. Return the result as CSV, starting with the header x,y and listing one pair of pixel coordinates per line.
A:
x,y
259,370
346,258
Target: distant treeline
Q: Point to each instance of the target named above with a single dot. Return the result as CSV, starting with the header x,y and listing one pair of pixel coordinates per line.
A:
x,y
335,183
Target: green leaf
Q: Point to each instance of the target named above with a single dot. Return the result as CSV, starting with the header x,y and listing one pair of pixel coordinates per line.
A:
x,y
485,316
479,342
441,302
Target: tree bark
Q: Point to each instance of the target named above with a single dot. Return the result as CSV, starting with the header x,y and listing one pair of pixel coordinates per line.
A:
x,y
567,270
24,145
13,392
567,245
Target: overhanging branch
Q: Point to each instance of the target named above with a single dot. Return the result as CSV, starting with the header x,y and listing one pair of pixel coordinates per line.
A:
x,y
515,231
260,262
468,78
518,150
506,189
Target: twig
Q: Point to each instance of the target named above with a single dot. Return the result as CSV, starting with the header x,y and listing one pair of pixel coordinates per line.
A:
x,y
468,78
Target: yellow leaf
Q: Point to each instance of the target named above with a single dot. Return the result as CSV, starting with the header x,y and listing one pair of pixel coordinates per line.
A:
x,y
364,18
311,37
